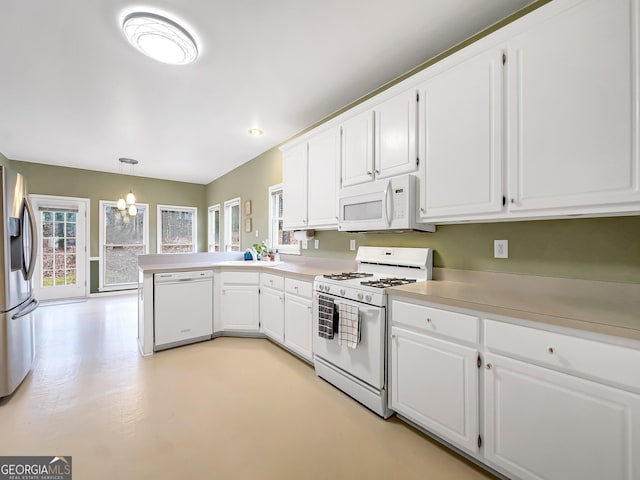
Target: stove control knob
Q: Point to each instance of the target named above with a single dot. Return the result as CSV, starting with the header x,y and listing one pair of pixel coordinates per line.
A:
x,y
322,287
342,292
360,296
327,288
368,298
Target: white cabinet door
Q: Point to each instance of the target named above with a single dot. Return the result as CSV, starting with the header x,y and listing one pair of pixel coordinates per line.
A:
x,y
460,138
240,307
574,109
357,149
272,314
298,325
542,424
324,179
294,180
395,127
435,384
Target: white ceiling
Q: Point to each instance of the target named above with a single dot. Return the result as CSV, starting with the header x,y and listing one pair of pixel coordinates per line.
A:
x,y
73,92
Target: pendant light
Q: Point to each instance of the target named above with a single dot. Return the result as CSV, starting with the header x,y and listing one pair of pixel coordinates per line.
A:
x,y
127,206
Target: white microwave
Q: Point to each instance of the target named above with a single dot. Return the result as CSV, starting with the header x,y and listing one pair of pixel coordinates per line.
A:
x,y
388,204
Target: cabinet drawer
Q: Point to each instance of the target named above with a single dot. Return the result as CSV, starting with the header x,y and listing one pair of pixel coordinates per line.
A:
x,y
272,281
242,278
434,320
610,363
298,287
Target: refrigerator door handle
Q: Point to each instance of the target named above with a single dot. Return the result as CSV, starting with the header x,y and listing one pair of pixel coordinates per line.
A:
x,y
33,304
34,239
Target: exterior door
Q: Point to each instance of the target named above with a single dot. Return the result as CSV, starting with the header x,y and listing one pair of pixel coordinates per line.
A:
x,y
61,268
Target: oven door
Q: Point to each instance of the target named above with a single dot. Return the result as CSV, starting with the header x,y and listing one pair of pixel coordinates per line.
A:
x,y
366,361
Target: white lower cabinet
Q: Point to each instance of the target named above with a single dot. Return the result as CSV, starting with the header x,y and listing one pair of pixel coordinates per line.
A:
x,y
433,370
240,301
272,313
543,424
298,325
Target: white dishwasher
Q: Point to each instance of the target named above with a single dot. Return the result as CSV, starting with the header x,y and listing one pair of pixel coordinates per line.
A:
x,y
182,308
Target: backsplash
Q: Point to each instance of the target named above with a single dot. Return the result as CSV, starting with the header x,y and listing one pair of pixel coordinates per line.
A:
x,y
605,249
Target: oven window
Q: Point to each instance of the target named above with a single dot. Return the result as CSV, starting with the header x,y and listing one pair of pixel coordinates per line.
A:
x,y
363,211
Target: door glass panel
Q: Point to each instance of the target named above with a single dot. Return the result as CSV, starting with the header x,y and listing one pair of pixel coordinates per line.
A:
x,y
58,248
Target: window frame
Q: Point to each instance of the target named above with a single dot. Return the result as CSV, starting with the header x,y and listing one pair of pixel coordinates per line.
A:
x,y
273,234
228,204
211,230
101,259
176,208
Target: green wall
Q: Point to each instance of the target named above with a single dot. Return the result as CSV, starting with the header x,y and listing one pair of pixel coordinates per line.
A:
x,y
250,181
96,186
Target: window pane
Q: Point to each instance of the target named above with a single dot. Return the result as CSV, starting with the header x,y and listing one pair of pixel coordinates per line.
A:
x,y
216,227
177,227
121,264
71,229
47,278
71,217
59,229
47,229
59,216
123,230
235,225
186,248
47,216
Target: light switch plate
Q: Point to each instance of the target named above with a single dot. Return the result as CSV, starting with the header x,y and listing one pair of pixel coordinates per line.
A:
x,y
352,245
256,233
501,248
304,244
316,244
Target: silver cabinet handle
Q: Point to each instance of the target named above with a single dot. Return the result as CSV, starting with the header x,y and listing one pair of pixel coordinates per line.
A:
x,y
422,210
550,350
489,366
369,173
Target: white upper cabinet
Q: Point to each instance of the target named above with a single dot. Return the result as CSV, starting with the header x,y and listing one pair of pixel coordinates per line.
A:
x,y
395,135
324,179
294,179
357,149
460,137
573,104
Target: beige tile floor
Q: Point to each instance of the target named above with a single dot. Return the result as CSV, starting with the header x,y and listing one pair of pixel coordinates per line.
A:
x,y
226,409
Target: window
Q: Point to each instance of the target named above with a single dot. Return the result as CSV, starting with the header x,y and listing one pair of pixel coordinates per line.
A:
x,y
214,228
122,239
279,239
176,229
232,225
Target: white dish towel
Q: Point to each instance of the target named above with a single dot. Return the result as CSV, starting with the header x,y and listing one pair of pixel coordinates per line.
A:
x,y
349,329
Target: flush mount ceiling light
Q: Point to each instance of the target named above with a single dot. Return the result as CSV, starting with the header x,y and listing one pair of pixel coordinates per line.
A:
x,y
160,38
256,132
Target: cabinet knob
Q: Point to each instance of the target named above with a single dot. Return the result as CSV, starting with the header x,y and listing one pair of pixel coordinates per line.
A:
x,y
342,291
550,350
428,320
489,366
377,172
513,200
422,210
369,173
295,287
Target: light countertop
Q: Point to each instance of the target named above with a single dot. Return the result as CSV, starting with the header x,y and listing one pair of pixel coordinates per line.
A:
x,y
601,307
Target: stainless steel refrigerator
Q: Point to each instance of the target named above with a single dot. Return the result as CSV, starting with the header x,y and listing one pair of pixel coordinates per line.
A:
x,y
18,240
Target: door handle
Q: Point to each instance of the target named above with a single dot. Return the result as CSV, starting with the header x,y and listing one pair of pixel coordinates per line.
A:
x,y
33,304
34,239
387,203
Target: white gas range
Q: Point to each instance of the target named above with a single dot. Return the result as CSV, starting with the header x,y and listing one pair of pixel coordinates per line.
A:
x,y
356,302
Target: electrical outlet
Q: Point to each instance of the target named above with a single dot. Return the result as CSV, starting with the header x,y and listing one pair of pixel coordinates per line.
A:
x,y
501,248
304,244
352,245
316,244
257,234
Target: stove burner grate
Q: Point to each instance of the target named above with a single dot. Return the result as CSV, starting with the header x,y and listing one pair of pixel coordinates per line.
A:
x,y
347,275
387,282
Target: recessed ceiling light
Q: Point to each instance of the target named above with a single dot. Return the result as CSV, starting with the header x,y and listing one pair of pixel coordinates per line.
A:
x,y
160,38
256,132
